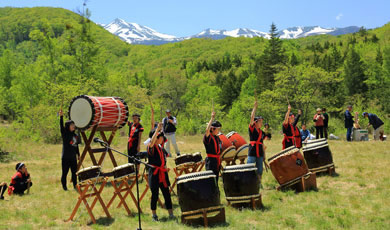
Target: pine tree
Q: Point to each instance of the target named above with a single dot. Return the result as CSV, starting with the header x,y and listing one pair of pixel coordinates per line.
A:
x,y
273,55
354,74
294,60
379,56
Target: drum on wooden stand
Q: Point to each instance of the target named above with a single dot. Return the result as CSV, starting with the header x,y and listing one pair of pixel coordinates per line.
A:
x,y
236,139
197,157
241,183
288,166
197,190
92,173
123,171
106,112
184,159
318,155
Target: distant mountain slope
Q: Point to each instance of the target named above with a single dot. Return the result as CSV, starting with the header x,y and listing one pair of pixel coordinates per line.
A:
x,y
134,33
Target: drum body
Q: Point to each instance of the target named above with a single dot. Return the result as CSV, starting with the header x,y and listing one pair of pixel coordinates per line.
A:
x,y
106,112
184,159
240,182
236,139
318,156
90,173
197,157
123,170
197,191
225,142
288,165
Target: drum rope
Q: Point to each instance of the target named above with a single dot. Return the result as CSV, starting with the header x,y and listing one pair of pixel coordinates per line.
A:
x,y
119,111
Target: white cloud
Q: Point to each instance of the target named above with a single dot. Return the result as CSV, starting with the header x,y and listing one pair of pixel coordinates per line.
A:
x,y
338,17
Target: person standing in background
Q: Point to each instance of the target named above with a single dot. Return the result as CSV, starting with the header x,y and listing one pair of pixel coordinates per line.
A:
x,y
169,124
319,123
135,135
348,122
376,123
326,120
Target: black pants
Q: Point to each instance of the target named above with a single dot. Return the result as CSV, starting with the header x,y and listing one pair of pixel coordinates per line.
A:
x,y
66,165
326,132
154,186
20,188
319,131
212,164
2,190
132,152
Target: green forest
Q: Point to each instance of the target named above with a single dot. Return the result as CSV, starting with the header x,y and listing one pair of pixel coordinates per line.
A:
x,y
50,55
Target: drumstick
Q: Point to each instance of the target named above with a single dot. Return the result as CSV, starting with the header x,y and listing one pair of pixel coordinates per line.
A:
x,y
255,94
287,100
212,103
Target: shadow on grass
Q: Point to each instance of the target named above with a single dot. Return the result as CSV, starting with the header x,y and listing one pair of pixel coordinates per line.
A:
x,y
104,221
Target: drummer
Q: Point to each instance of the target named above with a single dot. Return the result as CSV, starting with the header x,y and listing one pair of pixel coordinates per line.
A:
x,y
256,152
212,143
291,133
70,150
135,133
158,176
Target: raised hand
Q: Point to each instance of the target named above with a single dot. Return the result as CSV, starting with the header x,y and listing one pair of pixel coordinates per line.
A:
x,y
289,107
213,115
300,111
61,113
159,126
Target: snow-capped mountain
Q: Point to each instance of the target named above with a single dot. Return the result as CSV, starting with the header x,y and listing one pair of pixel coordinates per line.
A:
x,y
137,34
219,34
299,32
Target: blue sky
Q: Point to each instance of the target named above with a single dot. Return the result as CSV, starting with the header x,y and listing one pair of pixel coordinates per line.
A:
x,y
184,17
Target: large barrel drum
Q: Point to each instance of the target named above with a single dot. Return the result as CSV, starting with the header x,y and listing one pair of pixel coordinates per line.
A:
x,y
197,191
288,165
106,112
225,142
318,155
236,139
240,182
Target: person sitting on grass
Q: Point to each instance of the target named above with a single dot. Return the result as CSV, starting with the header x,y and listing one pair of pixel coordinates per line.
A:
x,y
20,181
3,187
305,134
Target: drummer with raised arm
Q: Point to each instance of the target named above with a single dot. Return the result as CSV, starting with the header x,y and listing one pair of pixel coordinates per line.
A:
x,y
212,143
158,176
256,152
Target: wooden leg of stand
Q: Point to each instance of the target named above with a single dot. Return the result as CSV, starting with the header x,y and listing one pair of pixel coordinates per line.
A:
x,y
206,224
253,203
80,199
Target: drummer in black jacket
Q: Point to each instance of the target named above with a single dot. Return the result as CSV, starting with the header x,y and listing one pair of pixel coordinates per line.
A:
x,y
70,150
158,176
256,152
212,143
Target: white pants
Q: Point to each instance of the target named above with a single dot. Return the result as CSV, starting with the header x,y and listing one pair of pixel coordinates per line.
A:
x,y
171,138
377,132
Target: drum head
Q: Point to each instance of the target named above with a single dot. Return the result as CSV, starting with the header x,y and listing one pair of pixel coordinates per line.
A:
x,y
81,112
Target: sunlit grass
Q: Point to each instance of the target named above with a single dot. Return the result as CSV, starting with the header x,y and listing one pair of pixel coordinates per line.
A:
x,y
357,198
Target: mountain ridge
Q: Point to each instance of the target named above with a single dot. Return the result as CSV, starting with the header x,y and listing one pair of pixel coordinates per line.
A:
x,y
135,33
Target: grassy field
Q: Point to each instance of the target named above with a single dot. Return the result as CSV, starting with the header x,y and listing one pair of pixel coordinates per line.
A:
x,y
357,198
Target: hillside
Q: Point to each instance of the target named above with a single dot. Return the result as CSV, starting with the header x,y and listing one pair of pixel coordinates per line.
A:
x,y
49,55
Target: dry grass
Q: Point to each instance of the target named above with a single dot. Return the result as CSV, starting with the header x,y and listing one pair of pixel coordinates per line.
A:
x,y
358,198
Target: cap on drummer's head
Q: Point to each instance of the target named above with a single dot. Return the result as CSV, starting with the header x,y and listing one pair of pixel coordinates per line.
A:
x,y
136,115
258,118
216,124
